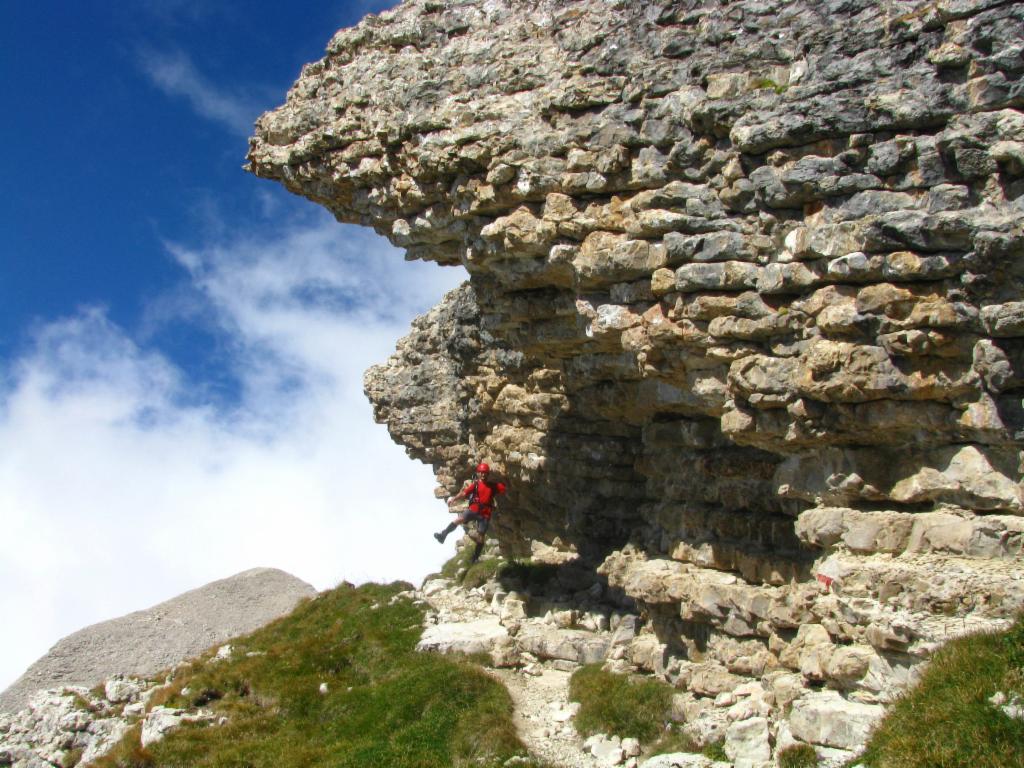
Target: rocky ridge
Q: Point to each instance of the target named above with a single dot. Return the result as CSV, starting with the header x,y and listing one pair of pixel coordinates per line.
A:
x,y
94,686
145,642
744,325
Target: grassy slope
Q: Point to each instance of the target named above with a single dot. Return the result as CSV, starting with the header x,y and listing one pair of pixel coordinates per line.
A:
x,y
386,704
946,721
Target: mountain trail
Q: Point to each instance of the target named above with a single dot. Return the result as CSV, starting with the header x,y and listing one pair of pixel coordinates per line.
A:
x,y
544,716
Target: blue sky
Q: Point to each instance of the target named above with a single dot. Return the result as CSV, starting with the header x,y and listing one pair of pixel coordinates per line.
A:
x,y
182,344
126,125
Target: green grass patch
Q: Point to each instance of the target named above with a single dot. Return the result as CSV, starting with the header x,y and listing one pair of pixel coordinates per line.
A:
x,y
127,753
619,705
385,705
769,84
798,756
458,563
468,574
481,572
671,741
83,704
946,721
512,574
715,751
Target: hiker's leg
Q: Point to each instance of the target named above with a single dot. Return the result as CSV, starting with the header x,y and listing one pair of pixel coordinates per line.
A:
x,y
451,527
480,536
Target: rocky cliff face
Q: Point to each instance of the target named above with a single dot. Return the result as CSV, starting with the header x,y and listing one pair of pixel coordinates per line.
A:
x,y
745,322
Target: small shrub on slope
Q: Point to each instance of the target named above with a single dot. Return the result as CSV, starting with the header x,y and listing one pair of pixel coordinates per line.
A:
x,y
673,740
798,756
385,705
481,572
458,563
715,751
619,705
947,721
513,574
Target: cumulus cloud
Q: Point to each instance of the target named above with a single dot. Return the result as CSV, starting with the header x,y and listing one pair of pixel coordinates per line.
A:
x,y
122,485
174,73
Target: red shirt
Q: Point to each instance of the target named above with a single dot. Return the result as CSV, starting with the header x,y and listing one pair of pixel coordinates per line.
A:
x,y
483,499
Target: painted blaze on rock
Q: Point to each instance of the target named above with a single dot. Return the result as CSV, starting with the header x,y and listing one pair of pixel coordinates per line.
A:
x,y
729,266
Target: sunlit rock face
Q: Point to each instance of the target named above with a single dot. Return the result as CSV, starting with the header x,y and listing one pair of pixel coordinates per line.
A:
x,y
745,318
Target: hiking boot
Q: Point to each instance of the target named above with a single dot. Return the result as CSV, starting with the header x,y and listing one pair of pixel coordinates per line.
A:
x,y
439,537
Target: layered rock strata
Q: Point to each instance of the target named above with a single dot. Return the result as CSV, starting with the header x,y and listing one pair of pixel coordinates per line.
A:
x,y
744,318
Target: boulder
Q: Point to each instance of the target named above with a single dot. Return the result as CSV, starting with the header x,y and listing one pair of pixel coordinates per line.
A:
x,y
827,719
481,635
747,743
573,645
121,691
162,720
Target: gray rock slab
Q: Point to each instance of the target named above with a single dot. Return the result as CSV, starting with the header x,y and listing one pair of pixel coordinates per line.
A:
x,y
829,720
477,636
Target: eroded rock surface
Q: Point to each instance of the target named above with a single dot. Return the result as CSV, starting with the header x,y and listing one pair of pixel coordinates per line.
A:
x,y
66,726
72,725
744,318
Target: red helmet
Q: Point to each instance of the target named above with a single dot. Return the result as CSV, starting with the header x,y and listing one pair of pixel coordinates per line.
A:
x,y
482,467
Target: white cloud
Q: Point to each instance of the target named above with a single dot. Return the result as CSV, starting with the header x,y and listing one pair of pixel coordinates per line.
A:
x,y
174,73
121,487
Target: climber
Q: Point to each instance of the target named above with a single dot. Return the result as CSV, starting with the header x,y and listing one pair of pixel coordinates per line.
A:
x,y
481,495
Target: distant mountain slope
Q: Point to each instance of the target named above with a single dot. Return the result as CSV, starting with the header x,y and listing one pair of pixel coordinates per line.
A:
x,y
147,641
